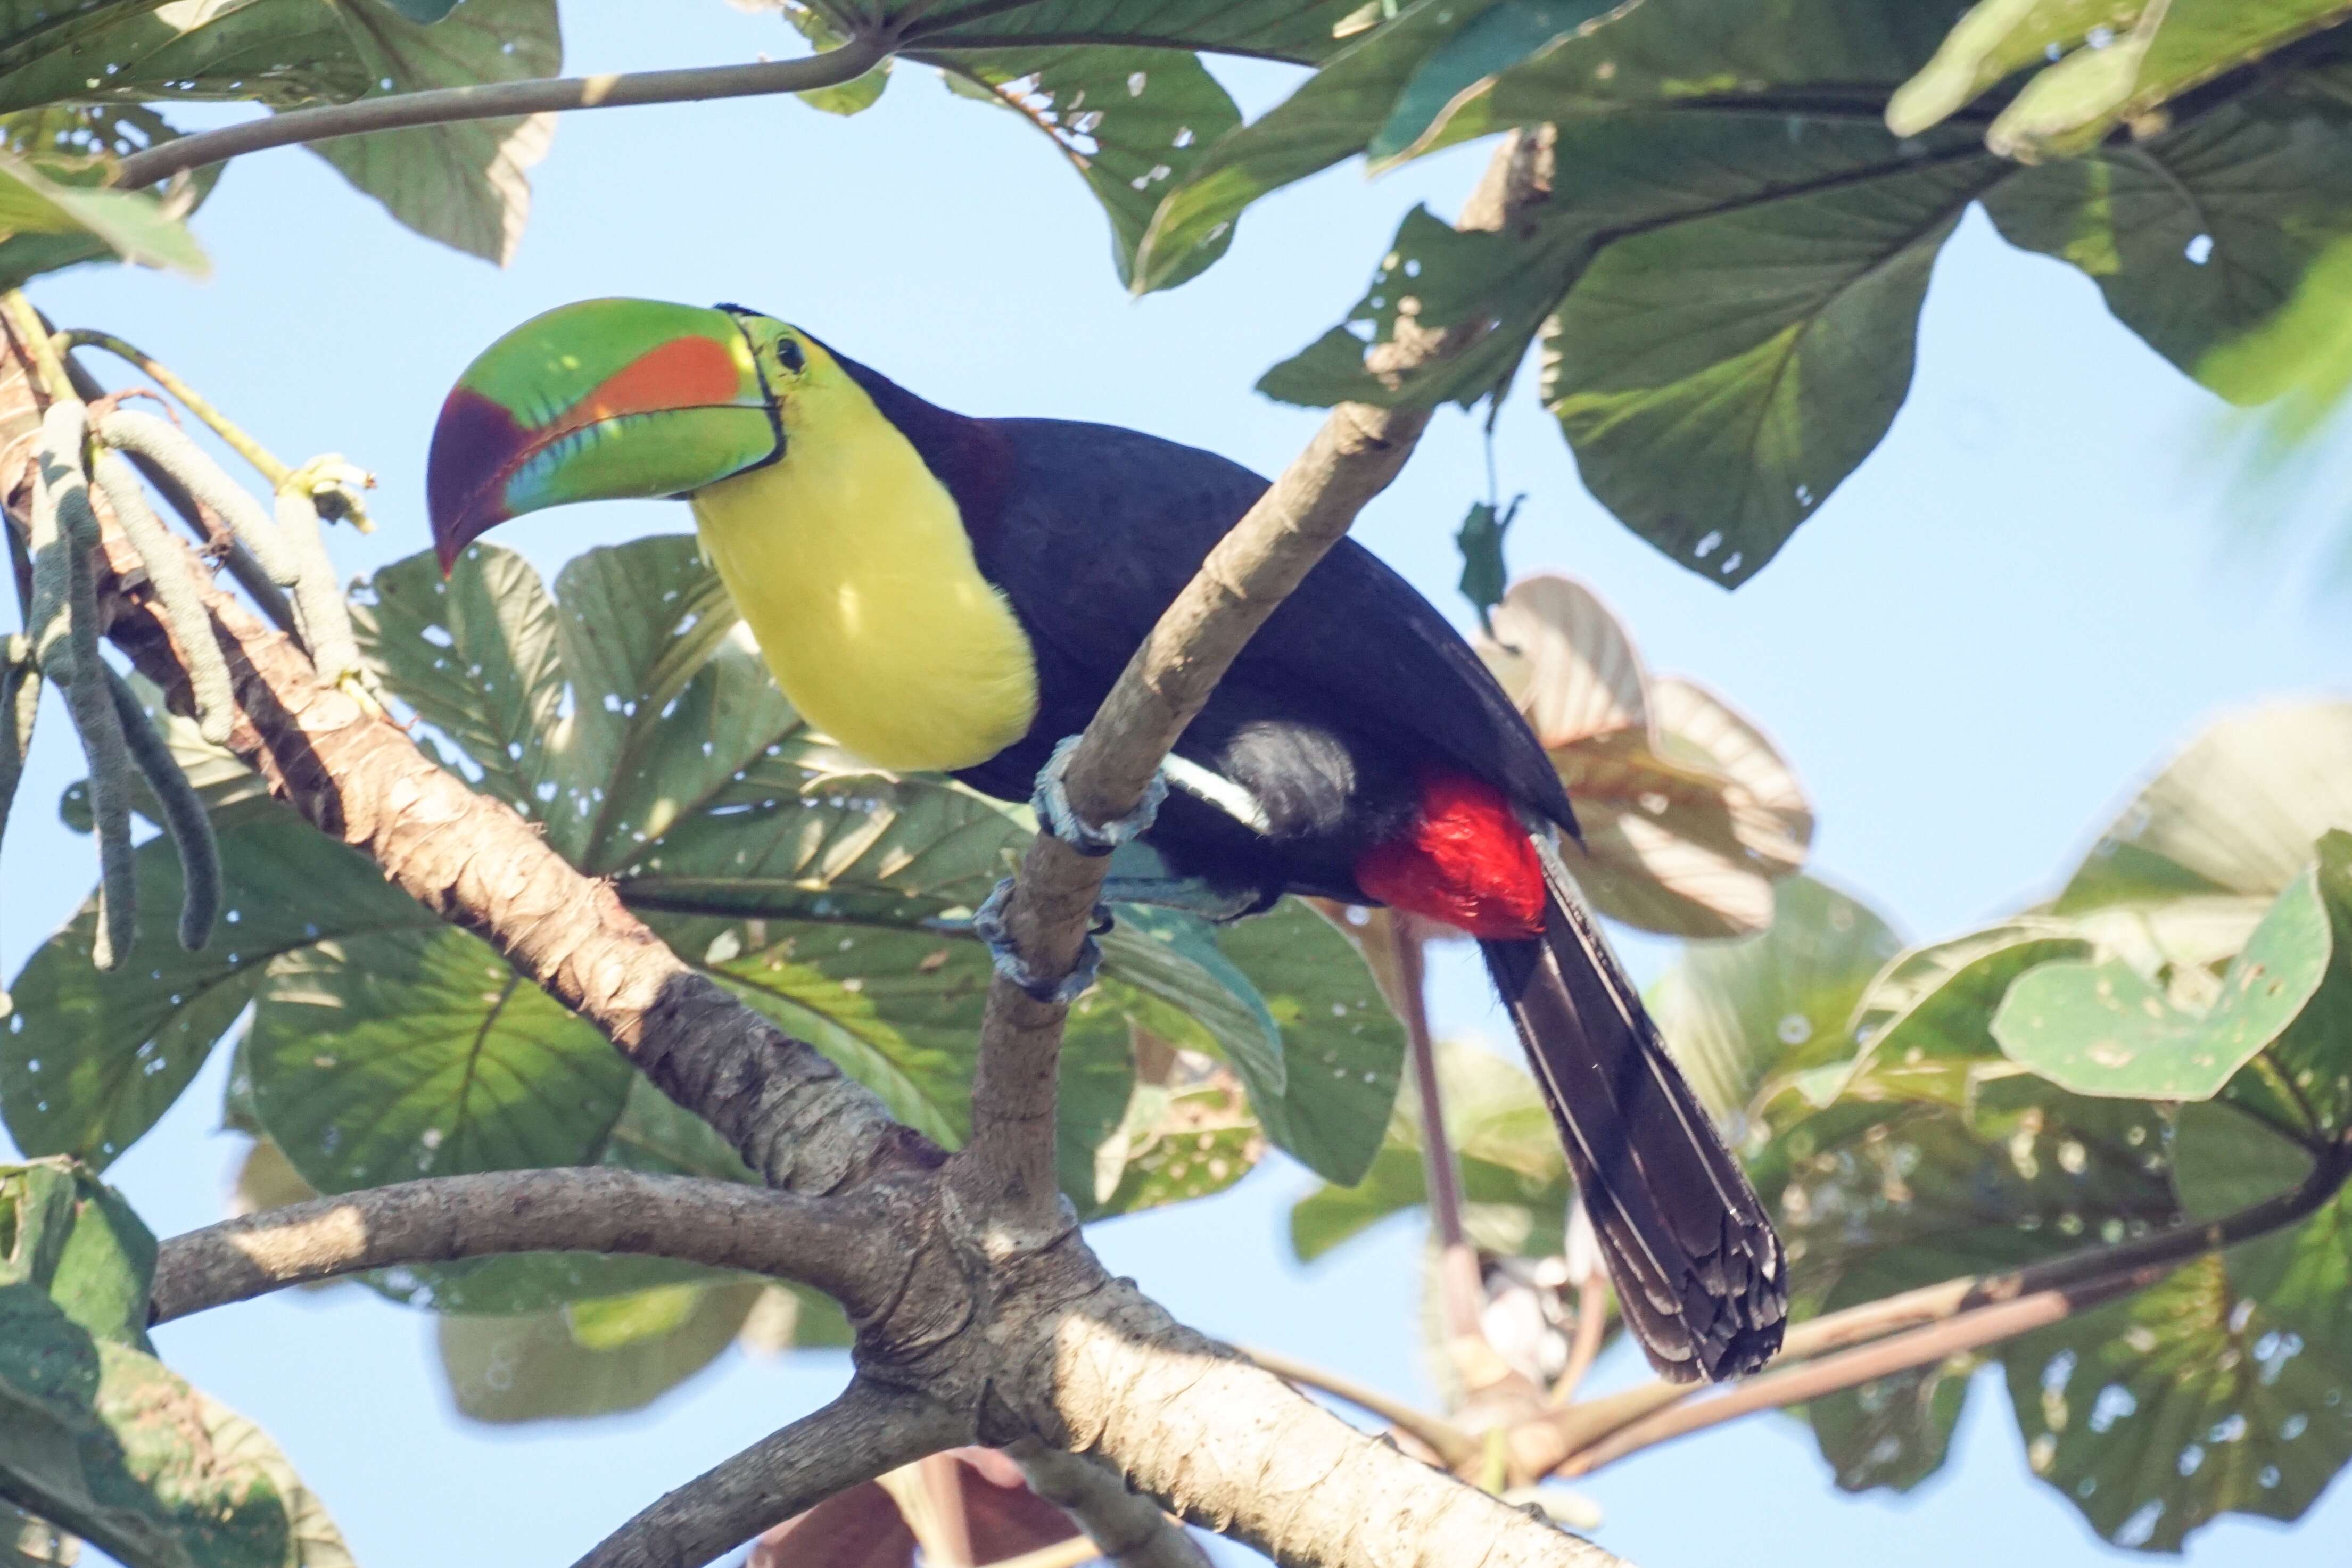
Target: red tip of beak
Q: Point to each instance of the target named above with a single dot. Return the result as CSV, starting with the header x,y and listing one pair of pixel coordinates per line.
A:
x,y
476,445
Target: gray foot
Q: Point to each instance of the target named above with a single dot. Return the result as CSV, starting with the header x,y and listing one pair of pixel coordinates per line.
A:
x,y
988,924
1055,816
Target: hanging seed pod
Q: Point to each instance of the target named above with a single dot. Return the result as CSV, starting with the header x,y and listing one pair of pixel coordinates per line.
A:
x,y
57,462
176,586
20,699
317,602
170,450
184,817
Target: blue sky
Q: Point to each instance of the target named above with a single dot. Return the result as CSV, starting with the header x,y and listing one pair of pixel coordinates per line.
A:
x,y
2032,591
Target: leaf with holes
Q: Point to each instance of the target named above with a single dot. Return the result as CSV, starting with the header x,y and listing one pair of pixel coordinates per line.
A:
x,y
1329,116
1130,122
88,1061
281,53
466,183
79,146
2196,236
2106,1028
419,1052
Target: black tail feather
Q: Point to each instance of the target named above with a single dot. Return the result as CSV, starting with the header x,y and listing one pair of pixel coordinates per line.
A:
x,y
1700,1275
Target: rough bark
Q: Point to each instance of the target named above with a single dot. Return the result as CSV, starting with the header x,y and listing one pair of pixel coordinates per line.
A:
x,y
834,1245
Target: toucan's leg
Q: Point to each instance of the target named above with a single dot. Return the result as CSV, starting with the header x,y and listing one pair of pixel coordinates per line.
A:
x,y
988,924
1051,801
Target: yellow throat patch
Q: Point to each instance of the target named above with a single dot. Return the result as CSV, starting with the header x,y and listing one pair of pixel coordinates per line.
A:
x,y
849,561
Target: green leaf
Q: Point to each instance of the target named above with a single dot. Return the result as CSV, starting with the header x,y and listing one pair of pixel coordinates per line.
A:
x,y
2157,1413
1514,1178
1720,375
1925,1023
541,1366
1331,116
854,97
1301,30
79,146
2195,237
95,1434
2135,59
1178,958
2105,1028
278,52
1739,1014
2224,1160
418,1053
1187,1132
1480,539
1436,275
465,183
1131,121
88,1061
1496,39
135,225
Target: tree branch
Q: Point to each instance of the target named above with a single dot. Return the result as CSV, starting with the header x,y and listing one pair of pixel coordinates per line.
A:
x,y
1128,1528
829,1243
1266,555
475,863
500,100
871,1429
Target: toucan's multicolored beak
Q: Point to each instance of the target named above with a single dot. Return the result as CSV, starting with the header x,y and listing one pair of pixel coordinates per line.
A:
x,y
603,399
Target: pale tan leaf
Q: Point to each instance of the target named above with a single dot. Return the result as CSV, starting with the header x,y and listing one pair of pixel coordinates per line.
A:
x,y
1566,661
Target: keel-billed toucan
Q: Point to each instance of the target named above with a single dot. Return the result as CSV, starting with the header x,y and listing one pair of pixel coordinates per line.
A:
x,y
938,592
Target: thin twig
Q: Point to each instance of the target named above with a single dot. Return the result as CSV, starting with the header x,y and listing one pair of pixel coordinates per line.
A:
x,y
1460,1295
1591,1328
264,461
1444,1439
498,101
828,1242
1008,1167
871,1429
1851,1369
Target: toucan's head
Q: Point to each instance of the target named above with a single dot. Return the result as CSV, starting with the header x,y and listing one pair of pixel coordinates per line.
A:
x,y
613,398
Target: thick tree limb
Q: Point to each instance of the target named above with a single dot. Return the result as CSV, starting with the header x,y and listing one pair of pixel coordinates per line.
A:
x,y
498,101
1127,1526
870,1429
832,1244
473,862
1266,555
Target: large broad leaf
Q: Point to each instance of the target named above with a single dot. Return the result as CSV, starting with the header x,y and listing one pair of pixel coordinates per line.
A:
x,y
88,1061
278,52
2236,813
2135,58
1303,30
1687,813
418,1053
99,1437
1515,1180
1873,1200
2108,1028
2195,237
1720,375
1331,116
133,225
464,184
1131,121
1739,1014
79,146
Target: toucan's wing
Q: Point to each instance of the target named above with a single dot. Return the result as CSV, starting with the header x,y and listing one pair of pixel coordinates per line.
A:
x,y
1100,528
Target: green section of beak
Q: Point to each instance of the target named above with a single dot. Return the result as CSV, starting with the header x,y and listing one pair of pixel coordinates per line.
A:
x,y
603,399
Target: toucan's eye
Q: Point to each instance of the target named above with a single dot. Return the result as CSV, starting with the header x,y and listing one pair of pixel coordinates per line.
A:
x,y
788,354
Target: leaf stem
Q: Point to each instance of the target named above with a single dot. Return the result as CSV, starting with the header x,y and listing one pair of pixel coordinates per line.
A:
x,y
498,101
1449,1442
242,444
1459,1293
